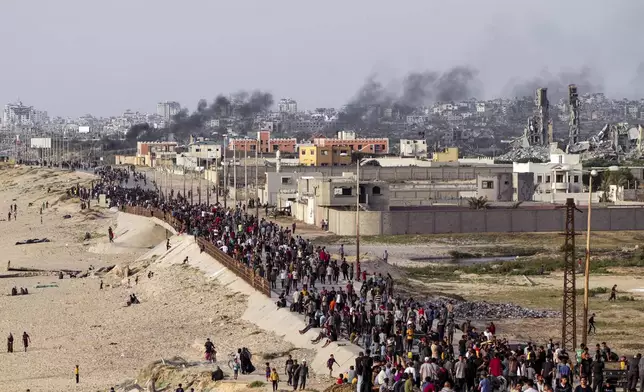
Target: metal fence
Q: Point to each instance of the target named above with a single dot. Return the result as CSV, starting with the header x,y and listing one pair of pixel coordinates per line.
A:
x,y
259,283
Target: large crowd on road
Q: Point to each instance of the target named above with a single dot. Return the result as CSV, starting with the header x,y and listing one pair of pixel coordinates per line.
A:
x,y
407,344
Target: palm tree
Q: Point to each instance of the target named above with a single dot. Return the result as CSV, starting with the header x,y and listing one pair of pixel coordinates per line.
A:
x,y
478,203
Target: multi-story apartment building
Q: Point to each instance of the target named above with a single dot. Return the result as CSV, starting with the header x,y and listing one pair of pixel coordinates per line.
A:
x,y
312,155
17,114
287,105
168,109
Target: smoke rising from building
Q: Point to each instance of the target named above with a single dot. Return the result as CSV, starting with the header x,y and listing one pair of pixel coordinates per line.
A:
x,y
586,79
244,106
416,89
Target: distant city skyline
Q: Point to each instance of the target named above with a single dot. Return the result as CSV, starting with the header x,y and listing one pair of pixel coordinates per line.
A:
x,y
134,55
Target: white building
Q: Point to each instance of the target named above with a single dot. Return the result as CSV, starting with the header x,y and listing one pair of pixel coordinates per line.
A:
x,y
480,107
17,114
346,135
561,176
413,148
287,105
205,150
168,109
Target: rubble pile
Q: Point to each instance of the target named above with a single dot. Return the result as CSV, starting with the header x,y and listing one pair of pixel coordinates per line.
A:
x,y
486,310
542,153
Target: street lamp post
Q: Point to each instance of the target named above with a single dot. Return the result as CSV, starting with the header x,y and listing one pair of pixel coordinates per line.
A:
x,y
584,339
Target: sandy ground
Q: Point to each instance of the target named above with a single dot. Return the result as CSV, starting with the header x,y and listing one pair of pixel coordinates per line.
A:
x,y
76,323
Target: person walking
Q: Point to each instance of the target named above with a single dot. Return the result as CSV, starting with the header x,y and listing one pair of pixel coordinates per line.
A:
x,y
77,374
329,364
275,379
25,340
303,374
10,343
613,293
591,324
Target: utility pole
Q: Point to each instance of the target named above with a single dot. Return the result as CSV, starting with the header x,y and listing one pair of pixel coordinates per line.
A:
x,y
225,181
246,173
256,183
569,311
358,219
234,174
183,174
208,182
584,332
192,191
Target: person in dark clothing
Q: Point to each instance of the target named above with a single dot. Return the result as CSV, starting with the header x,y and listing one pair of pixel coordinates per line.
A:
x,y
296,374
10,343
591,324
598,374
633,372
613,293
302,373
367,370
583,385
564,385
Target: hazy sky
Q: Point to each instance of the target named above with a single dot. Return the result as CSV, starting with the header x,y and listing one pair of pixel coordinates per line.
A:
x,y
72,57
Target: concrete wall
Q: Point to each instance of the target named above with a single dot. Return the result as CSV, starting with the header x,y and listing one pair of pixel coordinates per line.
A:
x,y
481,221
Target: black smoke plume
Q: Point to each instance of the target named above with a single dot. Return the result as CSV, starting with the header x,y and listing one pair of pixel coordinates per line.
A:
x,y
585,78
416,89
245,106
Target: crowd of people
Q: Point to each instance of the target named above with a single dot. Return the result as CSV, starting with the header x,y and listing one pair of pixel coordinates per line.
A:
x,y
406,343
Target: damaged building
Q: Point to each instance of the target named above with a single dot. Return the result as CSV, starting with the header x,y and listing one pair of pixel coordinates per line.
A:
x,y
613,142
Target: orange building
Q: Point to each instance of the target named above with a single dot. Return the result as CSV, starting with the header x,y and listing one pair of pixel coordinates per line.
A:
x,y
367,145
265,143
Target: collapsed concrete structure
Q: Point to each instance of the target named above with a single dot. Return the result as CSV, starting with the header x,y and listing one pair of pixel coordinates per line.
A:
x,y
613,142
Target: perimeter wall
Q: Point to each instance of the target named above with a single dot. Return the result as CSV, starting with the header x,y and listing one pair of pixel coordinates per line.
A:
x,y
481,221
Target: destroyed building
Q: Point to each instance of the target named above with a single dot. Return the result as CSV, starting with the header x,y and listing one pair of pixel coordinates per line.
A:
x,y
614,141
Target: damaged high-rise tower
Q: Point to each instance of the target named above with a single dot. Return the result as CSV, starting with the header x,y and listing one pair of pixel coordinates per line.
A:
x,y
573,100
539,132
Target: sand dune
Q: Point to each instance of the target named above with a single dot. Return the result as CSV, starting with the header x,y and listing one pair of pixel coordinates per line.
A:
x,y
76,323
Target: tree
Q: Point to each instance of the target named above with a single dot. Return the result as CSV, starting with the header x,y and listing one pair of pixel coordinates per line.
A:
x,y
478,203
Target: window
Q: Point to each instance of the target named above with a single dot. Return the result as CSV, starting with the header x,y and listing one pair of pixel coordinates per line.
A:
x,y
547,179
303,152
325,152
359,146
286,180
275,147
342,191
487,184
376,190
575,179
539,179
197,149
559,178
